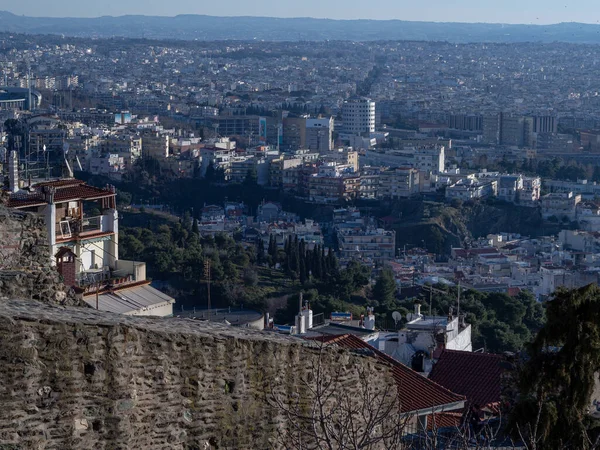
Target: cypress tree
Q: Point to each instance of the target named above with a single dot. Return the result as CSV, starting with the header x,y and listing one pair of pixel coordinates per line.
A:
x,y
302,273
316,257
260,251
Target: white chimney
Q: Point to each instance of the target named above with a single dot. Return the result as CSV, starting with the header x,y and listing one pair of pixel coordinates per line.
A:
x,y
13,172
370,320
300,324
418,309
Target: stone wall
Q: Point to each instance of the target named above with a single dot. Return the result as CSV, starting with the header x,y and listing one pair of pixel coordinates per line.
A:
x,y
25,270
78,378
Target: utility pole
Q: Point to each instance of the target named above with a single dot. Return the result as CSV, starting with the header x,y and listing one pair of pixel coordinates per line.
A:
x,y
430,301
458,299
207,276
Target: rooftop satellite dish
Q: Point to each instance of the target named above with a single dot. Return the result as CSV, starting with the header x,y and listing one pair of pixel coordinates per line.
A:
x,y
397,317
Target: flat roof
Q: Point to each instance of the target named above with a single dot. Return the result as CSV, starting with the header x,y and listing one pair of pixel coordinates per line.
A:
x,y
129,299
234,317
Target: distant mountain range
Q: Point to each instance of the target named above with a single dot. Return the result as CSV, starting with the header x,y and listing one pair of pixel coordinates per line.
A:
x,y
200,27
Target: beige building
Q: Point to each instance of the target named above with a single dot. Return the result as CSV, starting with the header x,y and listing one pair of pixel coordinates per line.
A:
x,y
343,156
399,182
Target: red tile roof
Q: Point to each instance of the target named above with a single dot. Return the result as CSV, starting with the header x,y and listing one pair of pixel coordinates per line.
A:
x,y
444,420
414,390
474,375
66,190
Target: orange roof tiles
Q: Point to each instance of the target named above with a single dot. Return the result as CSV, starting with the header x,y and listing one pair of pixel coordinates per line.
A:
x,y
66,190
474,375
414,390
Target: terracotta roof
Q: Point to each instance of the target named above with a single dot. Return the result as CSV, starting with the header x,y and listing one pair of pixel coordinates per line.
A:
x,y
59,183
81,192
444,420
66,190
414,390
474,375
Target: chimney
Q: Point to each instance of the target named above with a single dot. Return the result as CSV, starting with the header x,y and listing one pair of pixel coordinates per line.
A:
x,y
418,309
49,192
13,172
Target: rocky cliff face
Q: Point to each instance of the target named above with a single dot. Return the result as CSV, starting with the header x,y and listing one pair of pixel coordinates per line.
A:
x,y
25,270
79,378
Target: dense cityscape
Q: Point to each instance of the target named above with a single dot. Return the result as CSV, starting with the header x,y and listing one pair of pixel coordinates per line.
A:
x,y
427,208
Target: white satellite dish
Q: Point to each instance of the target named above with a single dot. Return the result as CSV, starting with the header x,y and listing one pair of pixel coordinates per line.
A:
x,y
396,316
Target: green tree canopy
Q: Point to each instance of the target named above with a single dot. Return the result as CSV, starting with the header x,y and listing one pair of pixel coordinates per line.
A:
x,y
557,381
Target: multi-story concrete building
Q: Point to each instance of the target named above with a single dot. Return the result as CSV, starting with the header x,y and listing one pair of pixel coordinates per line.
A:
x,y
219,154
372,244
240,166
319,134
155,144
468,189
560,205
358,116
110,165
509,187
342,156
279,166
465,122
545,124
399,182
370,182
430,159
333,183
530,194
294,133
507,129
127,146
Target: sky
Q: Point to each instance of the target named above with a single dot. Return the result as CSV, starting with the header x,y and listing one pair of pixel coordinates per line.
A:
x,y
496,11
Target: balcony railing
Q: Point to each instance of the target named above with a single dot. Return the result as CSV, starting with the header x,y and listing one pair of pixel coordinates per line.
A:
x,y
91,224
69,228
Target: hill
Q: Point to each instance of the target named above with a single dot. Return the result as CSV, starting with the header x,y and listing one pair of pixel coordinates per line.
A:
x,y
202,27
440,226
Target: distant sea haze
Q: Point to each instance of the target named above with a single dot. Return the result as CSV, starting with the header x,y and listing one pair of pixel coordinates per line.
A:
x,y
208,28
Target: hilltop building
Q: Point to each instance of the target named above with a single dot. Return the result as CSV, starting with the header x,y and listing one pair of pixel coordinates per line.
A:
x,y
82,227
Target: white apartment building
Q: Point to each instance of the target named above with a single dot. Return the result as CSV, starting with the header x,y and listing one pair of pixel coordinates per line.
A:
x,y
358,115
430,159
560,205
468,189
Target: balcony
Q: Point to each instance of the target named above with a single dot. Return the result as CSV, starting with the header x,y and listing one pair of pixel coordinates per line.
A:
x,y
126,272
70,228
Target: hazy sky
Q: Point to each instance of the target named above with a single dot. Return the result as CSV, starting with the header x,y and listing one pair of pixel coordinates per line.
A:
x,y
505,11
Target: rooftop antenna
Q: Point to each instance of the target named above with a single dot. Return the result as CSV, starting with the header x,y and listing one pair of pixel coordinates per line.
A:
x,y
29,88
